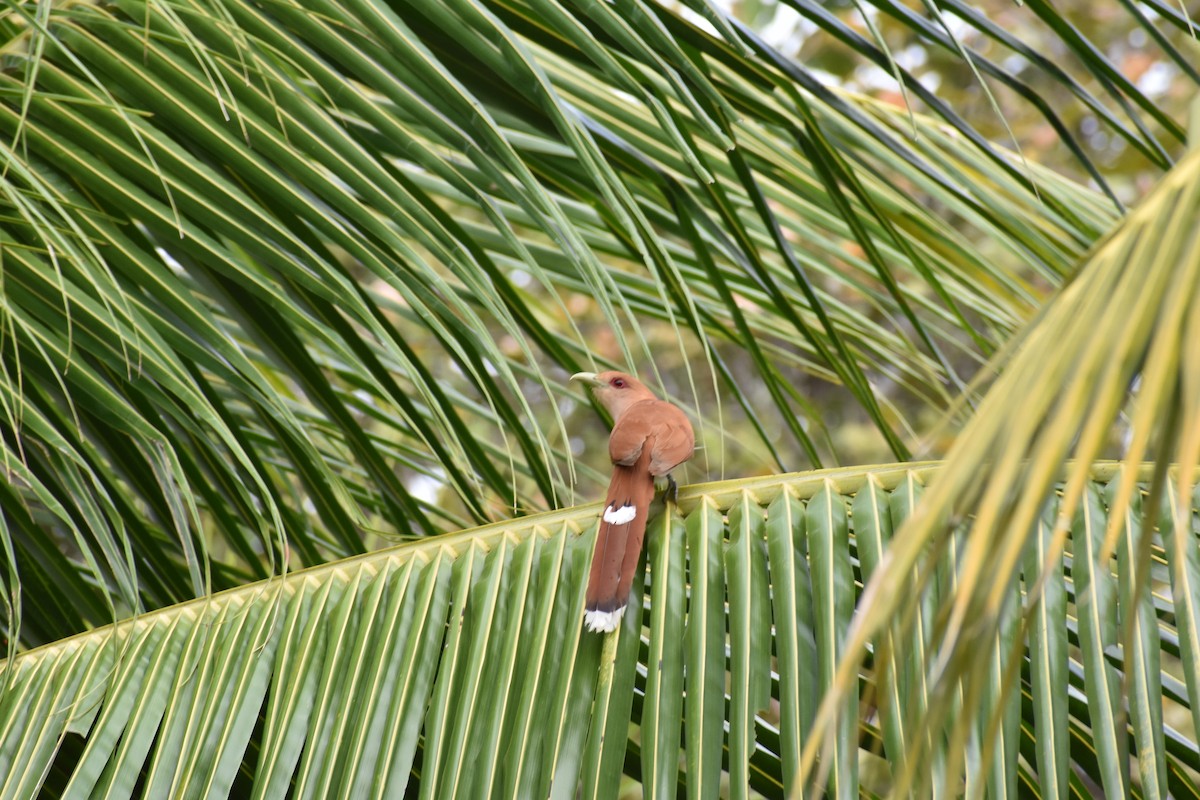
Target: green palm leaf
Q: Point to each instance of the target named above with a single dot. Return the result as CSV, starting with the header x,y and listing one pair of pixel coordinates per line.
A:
x,y
398,668
1036,415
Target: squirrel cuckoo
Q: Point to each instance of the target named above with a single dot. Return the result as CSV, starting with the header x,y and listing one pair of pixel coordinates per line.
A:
x,y
650,437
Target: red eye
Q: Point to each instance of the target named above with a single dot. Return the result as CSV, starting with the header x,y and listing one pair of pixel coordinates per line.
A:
x,y
617,383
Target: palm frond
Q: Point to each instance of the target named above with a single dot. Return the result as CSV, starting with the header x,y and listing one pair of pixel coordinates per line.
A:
x,y
283,283
1059,396
398,670
237,232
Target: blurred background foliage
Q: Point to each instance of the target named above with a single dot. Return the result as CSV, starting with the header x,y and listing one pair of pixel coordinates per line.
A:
x,y
1165,78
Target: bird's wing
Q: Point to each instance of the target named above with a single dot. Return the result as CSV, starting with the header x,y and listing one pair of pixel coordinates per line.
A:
x,y
663,425
674,441
630,431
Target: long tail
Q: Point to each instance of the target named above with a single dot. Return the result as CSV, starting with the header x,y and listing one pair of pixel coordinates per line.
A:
x,y
618,544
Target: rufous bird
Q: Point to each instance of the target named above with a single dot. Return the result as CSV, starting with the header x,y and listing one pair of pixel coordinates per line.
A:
x,y
650,437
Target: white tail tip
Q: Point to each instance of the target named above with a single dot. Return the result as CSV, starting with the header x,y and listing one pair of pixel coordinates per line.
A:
x,y
603,621
620,516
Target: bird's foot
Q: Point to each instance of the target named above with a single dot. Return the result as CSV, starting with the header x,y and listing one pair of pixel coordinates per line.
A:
x,y
669,490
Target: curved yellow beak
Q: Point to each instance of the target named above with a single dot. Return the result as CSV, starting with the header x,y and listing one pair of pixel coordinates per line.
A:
x,y
587,377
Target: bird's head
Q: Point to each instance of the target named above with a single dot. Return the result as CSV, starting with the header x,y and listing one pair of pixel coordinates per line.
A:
x,y
616,391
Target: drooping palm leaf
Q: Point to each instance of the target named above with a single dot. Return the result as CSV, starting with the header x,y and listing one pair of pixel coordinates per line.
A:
x,y
1139,292
236,231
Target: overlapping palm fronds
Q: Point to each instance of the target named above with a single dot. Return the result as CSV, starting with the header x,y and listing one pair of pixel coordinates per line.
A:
x,y
284,283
